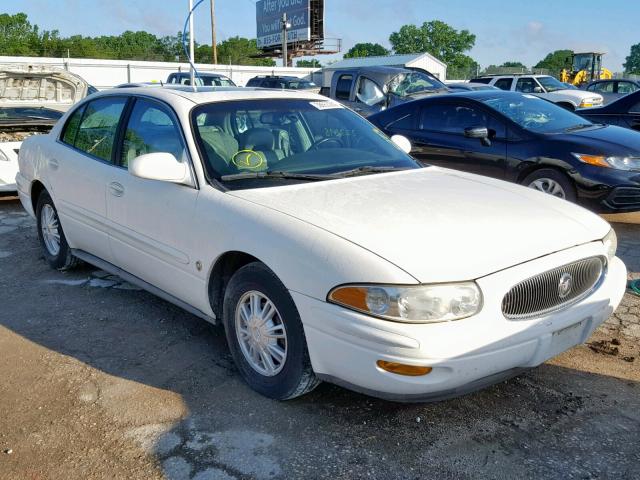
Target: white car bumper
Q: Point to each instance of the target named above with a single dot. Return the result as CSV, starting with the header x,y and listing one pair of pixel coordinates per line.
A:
x,y
8,166
465,355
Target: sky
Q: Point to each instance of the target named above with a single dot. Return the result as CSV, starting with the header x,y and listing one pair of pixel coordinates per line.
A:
x,y
515,30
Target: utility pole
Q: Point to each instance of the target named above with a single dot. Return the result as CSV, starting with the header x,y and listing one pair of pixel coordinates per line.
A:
x,y
285,26
214,47
192,74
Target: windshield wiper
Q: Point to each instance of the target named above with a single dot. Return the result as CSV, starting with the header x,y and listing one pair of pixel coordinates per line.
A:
x,y
277,175
580,126
366,170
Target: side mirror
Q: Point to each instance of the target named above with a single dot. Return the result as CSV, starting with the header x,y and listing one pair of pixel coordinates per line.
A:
x,y
402,143
476,132
161,166
538,90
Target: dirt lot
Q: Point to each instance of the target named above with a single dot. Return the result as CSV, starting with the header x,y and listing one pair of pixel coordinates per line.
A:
x,y
101,380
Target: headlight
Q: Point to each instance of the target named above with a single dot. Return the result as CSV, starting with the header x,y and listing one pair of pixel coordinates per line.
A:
x,y
419,304
590,102
621,163
610,244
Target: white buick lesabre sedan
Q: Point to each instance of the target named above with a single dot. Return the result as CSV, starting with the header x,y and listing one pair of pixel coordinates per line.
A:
x,y
323,248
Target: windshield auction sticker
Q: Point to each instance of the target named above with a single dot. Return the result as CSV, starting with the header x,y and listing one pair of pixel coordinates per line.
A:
x,y
326,105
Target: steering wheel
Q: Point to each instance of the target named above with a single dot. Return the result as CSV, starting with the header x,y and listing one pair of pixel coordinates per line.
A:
x,y
322,141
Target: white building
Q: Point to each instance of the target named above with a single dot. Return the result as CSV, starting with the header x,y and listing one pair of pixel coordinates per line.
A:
x,y
423,61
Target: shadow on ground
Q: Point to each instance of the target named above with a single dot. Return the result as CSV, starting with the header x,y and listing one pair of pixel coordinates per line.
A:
x,y
172,388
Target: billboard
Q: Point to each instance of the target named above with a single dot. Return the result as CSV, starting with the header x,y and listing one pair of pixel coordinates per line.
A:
x,y
268,19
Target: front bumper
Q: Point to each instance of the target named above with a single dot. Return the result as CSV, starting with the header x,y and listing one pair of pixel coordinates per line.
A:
x,y
607,190
465,355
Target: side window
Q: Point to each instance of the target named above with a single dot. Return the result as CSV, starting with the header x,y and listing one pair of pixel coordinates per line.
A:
x,y
526,85
503,83
604,87
626,87
71,128
400,119
343,87
97,130
151,129
451,118
368,92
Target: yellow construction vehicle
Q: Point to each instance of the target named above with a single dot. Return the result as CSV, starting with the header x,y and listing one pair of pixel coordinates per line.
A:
x,y
585,67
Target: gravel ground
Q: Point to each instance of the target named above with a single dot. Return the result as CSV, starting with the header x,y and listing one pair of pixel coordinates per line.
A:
x,y
102,380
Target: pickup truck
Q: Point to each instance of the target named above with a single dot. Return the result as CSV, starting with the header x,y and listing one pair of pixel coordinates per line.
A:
x,y
368,90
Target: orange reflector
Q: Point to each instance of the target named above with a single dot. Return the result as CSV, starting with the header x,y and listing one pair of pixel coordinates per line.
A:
x,y
355,297
401,369
597,160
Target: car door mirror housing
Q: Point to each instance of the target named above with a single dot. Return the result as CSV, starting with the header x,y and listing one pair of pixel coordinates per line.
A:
x,y
402,142
161,166
476,132
538,90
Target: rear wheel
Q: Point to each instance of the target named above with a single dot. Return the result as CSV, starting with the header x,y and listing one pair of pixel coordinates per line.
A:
x,y
552,182
52,240
265,334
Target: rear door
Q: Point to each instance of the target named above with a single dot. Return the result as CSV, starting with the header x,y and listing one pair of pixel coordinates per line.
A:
x,y
440,138
81,161
151,220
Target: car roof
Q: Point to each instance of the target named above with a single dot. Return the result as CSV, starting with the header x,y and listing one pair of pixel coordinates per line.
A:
x,y
172,93
477,95
199,74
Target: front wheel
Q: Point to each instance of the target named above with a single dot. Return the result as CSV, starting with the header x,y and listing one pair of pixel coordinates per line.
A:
x,y
551,181
265,334
52,240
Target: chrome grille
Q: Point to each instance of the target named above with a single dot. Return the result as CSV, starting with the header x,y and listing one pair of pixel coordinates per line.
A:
x,y
553,290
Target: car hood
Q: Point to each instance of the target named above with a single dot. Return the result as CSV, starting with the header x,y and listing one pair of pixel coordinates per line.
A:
x,y
577,95
40,86
605,140
438,225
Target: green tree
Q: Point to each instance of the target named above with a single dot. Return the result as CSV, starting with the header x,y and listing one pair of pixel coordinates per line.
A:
x,y
366,50
555,61
511,64
314,63
632,63
440,40
241,51
18,36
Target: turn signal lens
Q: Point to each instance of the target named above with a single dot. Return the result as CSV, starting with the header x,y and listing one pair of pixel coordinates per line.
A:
x,y
402,369
597,160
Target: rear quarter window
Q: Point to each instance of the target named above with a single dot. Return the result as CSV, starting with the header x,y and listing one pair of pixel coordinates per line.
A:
x,y
70,130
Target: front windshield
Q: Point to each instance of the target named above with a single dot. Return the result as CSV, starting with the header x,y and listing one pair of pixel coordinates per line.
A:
x,y
407,84
536,114
29,113
550,84
296,136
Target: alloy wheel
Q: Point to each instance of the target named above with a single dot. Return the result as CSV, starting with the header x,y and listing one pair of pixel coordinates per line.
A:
x,y
547,185
50,226
261,333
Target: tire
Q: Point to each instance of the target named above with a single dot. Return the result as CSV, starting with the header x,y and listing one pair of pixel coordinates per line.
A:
x,y
291,377
552,182
47,216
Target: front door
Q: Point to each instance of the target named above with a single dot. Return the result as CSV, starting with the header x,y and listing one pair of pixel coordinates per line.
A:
x,y
151,220
440,139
